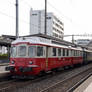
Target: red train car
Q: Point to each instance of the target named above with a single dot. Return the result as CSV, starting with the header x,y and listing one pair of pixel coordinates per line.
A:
x,y
33,55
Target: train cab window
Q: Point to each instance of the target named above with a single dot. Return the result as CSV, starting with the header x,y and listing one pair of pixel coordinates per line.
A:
x,y
13,51
54,52
22,50
59,51
31,51
39,51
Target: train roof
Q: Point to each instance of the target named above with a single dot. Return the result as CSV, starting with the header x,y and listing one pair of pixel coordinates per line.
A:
x,y
43,41
87,50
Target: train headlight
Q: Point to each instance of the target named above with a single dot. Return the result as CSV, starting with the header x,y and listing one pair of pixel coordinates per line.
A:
x,y
12,62
30,62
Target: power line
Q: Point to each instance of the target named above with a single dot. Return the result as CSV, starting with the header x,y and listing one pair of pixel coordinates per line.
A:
x,y
27,3
11,3
60,12
84,35
2,13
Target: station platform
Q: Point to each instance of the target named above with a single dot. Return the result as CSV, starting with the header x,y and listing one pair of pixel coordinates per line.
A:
x,y
3,73
86,86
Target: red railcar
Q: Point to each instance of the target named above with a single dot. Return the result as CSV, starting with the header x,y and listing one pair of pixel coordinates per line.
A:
x,y
33,55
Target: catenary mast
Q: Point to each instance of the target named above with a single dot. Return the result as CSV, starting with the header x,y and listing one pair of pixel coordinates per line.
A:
x,y
17,24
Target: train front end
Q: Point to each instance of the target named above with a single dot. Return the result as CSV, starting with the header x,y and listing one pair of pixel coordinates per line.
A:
x,y
22,62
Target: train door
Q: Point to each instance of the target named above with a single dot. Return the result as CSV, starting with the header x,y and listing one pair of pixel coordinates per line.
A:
x,y
59,54
47,52
85,57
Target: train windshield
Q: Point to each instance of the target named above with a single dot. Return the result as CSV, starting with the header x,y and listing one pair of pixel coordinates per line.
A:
x,y
13,51
32,51
22,51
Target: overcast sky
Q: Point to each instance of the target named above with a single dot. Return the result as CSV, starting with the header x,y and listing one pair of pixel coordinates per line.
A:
x,y
76,15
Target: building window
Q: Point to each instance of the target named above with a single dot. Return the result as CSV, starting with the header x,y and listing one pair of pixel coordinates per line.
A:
x,y
34,14
48,17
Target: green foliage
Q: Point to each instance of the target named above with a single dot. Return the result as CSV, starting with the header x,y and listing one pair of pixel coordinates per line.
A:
x,y
3,56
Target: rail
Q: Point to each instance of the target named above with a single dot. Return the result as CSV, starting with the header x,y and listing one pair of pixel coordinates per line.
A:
x,y
49,89
79,83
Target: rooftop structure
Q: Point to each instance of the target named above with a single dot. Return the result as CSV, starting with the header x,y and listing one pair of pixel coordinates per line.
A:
x,y
83,42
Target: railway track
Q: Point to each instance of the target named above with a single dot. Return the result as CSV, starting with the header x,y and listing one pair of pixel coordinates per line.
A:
x,y
47,83
73,81
79,83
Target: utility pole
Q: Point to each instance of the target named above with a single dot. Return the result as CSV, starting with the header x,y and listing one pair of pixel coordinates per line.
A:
x,y
72,38
17,25
45,17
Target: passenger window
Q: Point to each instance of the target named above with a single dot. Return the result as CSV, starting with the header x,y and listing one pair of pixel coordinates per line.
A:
x,y
39,51
77,53
67,52
63,52
74,53
54,52
59,51
71,53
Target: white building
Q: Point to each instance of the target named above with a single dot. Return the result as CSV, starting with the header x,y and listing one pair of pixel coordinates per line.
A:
x,y
3,50
55,27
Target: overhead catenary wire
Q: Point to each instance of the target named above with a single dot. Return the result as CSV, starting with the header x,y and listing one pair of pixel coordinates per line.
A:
x,y
10,2
12,17
63,16
52,7
27,4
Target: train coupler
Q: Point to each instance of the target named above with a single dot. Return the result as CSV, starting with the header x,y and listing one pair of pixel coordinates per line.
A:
x,y
10,68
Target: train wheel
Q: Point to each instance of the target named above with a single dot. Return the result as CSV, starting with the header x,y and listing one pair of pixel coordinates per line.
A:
x,y
71,66
66,67
42,73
